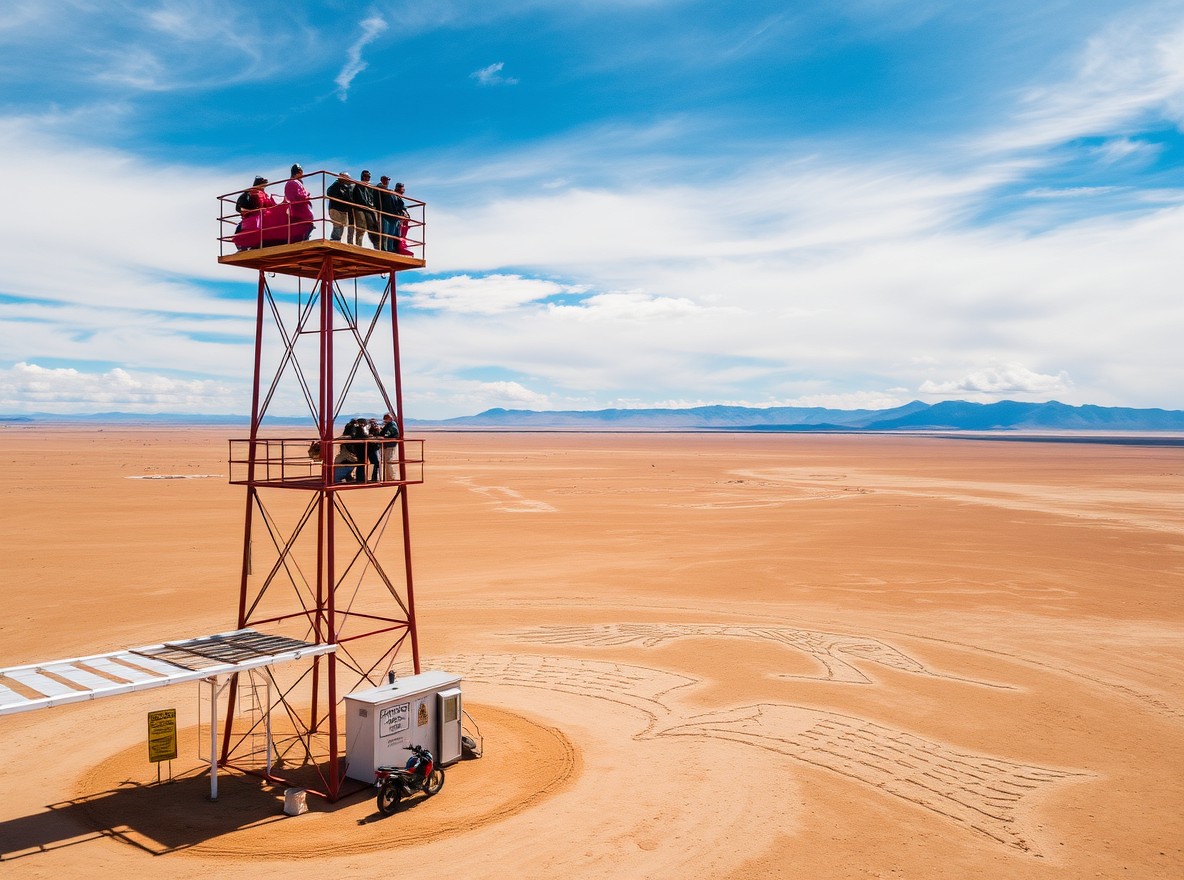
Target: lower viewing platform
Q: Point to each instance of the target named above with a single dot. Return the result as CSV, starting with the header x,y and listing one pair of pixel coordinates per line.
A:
x,y
304,463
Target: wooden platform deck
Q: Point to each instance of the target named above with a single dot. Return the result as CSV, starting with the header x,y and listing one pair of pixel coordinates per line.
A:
x,y
305,259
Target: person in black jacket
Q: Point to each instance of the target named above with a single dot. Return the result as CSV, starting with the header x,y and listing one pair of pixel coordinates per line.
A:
x,y
390,449
389,208
365,212
341,196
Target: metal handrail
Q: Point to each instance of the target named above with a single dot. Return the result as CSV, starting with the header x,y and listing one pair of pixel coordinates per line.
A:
x,y
292,222
300,462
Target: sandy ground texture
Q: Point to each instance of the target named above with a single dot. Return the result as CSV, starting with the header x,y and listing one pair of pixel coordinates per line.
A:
x,y
690,656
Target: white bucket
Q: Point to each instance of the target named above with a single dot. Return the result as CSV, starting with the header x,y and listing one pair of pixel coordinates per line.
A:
x,y
295,801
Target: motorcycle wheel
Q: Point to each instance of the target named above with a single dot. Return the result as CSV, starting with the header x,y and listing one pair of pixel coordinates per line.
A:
x,y
388,798
434,783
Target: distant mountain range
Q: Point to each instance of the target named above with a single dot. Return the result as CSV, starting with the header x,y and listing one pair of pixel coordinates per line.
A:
x,y
954,415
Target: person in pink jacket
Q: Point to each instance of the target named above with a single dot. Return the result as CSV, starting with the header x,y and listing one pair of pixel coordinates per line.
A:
x,y
268,224
299,206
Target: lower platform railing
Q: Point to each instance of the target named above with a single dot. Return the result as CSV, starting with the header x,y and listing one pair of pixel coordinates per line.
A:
x,y
305,463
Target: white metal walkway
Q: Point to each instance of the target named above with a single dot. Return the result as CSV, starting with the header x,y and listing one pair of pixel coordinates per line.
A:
x,y
41,685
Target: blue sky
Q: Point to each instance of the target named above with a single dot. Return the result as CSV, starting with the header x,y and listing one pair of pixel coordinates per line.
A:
x,y
630,204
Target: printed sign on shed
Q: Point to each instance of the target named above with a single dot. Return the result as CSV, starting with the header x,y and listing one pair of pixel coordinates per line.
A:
x,y
162,735
393,719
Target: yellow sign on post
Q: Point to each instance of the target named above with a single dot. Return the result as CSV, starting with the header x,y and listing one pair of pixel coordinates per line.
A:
x,y
162,735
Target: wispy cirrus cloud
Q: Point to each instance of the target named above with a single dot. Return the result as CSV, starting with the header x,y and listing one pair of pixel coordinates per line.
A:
x,y
484,294
491,75
175,46
372,28
1127,72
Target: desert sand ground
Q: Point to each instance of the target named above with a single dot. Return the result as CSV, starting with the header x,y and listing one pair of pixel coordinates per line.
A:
x,y
690,656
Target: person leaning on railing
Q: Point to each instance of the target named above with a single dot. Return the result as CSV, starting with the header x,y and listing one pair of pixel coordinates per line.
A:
x,y
350,461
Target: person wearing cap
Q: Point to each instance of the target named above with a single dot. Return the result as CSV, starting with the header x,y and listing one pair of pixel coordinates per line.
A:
x,y
300,218
400,240
388,209
365,218
389,432
341,197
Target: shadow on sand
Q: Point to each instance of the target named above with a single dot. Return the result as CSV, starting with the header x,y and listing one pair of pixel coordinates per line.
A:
x,y
161,818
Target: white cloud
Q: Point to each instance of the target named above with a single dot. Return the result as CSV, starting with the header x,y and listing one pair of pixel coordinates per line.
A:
x,y
372,29
609,264
799,281
179,45
805,206
1070,192
466,397
491,75
1133,69
485,295
859,276
631,306
998,380
27,387
1127,151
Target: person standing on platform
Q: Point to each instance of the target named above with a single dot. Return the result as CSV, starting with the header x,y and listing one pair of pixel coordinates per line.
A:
x,y
296,196
388,207
400,240
373,451
389,432
365,206
341,197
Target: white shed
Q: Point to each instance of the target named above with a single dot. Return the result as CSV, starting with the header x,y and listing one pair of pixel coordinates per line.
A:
x,y
421,710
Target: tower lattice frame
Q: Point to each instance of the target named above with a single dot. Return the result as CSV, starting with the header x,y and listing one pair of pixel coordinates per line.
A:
x,y
325,561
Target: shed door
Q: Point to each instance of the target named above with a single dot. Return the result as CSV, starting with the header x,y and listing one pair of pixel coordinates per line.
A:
x,y
449,706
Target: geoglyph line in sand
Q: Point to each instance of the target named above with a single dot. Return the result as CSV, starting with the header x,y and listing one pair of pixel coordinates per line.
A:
x,y
504,498
1119,508
833,651
1156,703
979,792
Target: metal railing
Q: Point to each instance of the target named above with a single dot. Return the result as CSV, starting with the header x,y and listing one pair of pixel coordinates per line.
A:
x,y
303,210
303,462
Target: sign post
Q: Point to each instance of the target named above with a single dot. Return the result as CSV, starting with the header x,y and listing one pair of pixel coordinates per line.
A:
x,y
162,738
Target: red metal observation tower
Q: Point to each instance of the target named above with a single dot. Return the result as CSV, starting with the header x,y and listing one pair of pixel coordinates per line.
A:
x,y
326,538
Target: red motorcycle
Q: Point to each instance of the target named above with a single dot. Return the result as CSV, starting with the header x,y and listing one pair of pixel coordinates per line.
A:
x,y
395,783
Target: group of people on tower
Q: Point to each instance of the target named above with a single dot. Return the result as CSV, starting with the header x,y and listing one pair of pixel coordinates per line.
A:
x,y
360,211
356,208
371,457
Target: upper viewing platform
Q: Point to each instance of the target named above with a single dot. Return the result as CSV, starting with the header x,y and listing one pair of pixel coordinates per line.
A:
x,y
367,228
